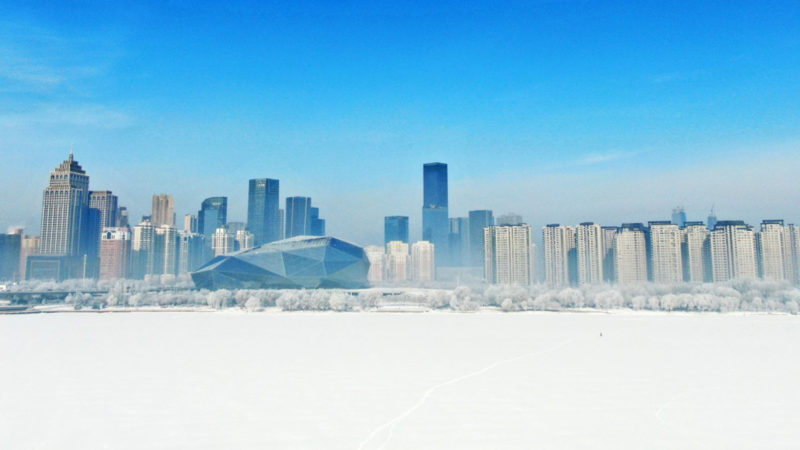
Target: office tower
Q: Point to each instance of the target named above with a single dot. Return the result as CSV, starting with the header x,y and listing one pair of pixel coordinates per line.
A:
x,y
212,215
478,220
630,254
190,223
423,263
609,234
143,250
774,251
509,251
122,217
559,251
165,250
589,247
712,220
191,250
435,226
377,263
106,203
395,228
317,224
696,251
90,245
10,248
64,210
509,219
665,252
30,246
458,241
298,216
244,240
679,217
223,242
397,261
733,251
115,253
163,210
263,210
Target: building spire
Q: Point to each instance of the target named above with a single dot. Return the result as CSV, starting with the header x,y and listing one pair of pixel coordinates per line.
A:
x,y
71,156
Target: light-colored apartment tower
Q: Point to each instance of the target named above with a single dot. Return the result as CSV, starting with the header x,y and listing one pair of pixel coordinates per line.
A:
x,y
630,254
774,251
245,240
397,261
696,252
589,244
190,223
558,240
163,210
165,250
422,261
509,254
223,241
733,251
665,252
377,263
142,249
794,246
609,234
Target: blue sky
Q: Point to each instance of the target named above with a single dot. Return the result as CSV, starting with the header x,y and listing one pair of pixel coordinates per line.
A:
x,y
561,111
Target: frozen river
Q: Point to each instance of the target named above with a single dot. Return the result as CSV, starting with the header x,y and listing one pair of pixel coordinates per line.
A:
x,y
399,381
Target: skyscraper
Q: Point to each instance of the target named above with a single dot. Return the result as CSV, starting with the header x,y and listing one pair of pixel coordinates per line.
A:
x,y
422,261
478,220
630,254
106,203
212,215
435,226
665,252
165,250
163,210
10,248
733,251
377,263
696,251
244,240
142,250
122,217
395,228
509,251
30,246
191,249
115,248
458,241
609,234
397,261
223,241
190,223
712,220
589,245
317,223
679,217
64,210
263,210
774,251
298,216
558,240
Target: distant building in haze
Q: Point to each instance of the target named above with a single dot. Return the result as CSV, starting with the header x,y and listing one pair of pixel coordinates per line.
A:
x,y
298,216
733,251
143,250
696,253
10,249
665,252
478,220
775,252
317,223
395,228
163,210
115,253
458,241
223,241
630,252
397,261
377,263
435,215
190,223
263,210
509,251
559,247
509,219
609,234
106,203
679,217
589,248
212,215
423,261
244,240
191,251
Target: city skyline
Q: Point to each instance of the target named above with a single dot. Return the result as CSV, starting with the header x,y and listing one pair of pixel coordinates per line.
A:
x,y
631,110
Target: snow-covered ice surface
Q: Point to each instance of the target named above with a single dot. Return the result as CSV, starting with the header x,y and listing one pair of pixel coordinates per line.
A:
x,y
399,381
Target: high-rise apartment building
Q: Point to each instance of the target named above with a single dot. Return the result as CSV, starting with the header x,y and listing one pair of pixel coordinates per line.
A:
x,y
609,234
696,252
245,240
106,203
395,228
774,251
115,253
191,250
423,261
397,261
190,223
559,244
223,242
630,254
733,251
165,250
298,216
509,251
143,250
478,220
589,247
666,258
377,263
263,210
435,215
163,210
212,215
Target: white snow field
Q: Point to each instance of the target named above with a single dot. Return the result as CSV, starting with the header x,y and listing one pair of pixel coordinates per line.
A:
x,y
489,380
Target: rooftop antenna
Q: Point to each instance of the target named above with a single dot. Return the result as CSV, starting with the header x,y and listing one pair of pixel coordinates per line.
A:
x,y
71,147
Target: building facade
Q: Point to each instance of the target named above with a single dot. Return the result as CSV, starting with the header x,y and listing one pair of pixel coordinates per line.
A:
x,y
263,210
423,256
589,246
733,251
163,210
435,213
630,253
478,220
666,258
115,253
395,228
509,251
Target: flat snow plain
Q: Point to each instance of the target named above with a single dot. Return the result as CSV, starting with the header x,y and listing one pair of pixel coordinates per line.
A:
x,y
488,380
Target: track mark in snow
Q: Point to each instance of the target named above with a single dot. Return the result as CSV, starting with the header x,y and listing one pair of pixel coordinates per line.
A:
x,y
427,394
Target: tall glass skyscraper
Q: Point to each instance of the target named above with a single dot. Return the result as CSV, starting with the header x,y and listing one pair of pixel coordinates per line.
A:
x,y
212,215
435,224
478,220
263,212
395,228
298,216
64,210
317,224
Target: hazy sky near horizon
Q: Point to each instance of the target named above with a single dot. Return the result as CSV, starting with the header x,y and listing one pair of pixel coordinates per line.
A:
x,y
562,111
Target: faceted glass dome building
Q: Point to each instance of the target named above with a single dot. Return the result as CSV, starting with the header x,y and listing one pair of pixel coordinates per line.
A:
x,y
300,262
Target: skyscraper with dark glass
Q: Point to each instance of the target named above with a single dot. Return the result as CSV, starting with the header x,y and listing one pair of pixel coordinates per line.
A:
x,y
435,224
395,228
317,224
212,215
263,212
478,220
298,216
